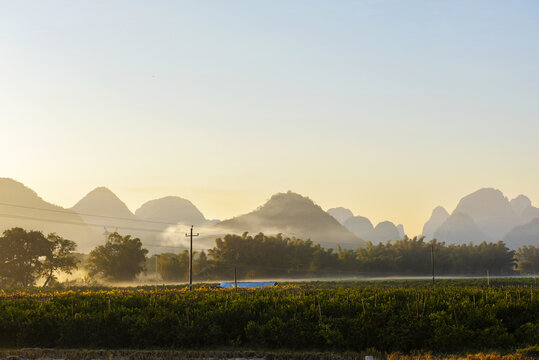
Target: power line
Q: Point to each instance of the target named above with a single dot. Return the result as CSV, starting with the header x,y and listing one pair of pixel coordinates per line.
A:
x,y
89,224
126,219
219,265
145,245
78,223
86,214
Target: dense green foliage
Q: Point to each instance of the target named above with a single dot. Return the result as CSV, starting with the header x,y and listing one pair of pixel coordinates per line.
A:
x,y
439,319
26,256
175,267
528,259
412,256
59,258
263,256
122,258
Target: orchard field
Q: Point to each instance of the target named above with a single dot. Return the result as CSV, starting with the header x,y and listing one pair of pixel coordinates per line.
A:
x,y
453,316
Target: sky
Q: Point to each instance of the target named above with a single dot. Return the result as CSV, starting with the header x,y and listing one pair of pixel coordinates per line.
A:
x,y
388,108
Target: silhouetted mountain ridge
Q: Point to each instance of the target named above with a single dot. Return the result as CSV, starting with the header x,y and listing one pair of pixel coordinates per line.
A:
x,y
364,229
101,201
293,215
360,226
438,217
460,228
487,215
91,218
484,215
490,210
33,213
341,214
171,209
522,235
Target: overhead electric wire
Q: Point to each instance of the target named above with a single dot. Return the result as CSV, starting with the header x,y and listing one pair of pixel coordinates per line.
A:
x,y
83,223
78,223
219,265
122,218
89,224
72,212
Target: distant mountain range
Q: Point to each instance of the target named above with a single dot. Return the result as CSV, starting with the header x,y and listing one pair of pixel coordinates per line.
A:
x,y
102,206
364,229
22,207
95,215
101,212
486,215
172,210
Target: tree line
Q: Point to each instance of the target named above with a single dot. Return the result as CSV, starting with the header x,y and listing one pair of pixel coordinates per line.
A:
x,y
263,256
29,257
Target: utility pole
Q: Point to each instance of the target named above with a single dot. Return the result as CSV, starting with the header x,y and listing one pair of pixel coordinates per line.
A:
x,y
191,257
235,279
156,268
432,261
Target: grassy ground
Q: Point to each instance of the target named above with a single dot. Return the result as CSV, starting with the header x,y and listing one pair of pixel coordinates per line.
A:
x,y
237,355
412,282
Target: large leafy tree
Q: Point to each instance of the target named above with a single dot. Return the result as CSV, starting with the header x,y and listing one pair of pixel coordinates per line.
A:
x,y
174,267
20,254
268,256
528,259
122,258
59,258
202,266
26,256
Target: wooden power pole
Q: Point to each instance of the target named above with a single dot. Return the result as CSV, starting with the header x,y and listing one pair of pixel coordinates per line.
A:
x,y
235,279
432,261
191,257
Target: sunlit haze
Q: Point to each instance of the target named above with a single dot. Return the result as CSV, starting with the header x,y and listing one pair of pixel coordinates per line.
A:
x,y
386,108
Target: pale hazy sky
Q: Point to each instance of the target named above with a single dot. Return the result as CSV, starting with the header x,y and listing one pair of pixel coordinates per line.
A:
x,y
389,108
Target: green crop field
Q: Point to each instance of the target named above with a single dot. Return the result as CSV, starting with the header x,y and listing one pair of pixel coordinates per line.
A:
x,y
455,316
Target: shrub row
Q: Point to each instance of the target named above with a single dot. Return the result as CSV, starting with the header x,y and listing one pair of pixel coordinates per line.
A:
x,y
445,319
